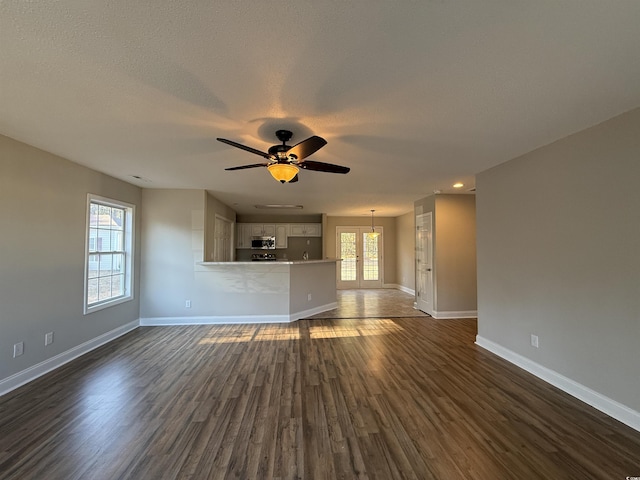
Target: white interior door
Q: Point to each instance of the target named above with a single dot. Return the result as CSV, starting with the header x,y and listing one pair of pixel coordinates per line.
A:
x,y
361,252
424,259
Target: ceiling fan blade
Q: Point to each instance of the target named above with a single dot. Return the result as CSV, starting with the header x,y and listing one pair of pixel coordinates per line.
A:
x,y
244,147
323,167
294,179
307,147
253,165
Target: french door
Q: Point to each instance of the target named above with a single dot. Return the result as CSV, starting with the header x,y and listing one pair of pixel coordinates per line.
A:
x,y
361,252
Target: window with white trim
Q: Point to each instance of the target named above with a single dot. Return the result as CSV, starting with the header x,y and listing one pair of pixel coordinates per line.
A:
x,y
108,253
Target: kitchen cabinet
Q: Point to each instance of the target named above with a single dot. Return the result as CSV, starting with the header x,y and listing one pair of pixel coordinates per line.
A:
x,y
262,230
282,234
305,230
243,235
247,230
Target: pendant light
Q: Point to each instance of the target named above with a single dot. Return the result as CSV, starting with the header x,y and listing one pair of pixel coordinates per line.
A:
x,y
373,229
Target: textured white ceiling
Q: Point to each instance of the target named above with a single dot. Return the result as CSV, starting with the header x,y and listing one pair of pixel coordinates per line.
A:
x,y
412,95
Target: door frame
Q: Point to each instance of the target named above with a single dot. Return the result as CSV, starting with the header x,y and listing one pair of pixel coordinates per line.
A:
x,y
424,285
359,283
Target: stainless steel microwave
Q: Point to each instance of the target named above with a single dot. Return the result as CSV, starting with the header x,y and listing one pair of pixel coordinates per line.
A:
x,y
263,243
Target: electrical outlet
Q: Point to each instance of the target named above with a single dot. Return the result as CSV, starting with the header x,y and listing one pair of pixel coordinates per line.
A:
x,y
48,338
534,340
308,297
18,349
187,303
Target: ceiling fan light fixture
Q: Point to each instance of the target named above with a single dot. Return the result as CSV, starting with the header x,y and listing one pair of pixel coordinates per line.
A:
x,y
283,172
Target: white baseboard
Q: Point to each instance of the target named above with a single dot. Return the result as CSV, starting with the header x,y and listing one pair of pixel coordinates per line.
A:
x,y
598,401
234,319
25,376
212,320
404,289
313,311
448,315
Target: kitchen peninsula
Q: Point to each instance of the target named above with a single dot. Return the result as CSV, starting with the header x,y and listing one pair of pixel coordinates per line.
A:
x,y
259,292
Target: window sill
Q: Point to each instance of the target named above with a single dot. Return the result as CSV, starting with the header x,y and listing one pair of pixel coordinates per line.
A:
x,y
107,304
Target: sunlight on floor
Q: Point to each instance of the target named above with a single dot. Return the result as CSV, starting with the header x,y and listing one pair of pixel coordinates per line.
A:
x,y
255,334
382,326
379,326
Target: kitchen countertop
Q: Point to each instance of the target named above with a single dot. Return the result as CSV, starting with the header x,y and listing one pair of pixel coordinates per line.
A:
x,y
277,262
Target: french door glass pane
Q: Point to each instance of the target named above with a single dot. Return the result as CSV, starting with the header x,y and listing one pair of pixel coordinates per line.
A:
x,y
348,254
370,256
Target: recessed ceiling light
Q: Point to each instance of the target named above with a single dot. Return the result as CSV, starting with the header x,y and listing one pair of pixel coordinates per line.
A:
x,y
458,185
280,206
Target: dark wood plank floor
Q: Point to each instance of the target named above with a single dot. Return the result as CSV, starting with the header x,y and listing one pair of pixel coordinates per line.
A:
x,y
319,399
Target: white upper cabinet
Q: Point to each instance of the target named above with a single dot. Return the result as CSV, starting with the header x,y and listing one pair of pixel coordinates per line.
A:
x,y
262,230
305,230
282,231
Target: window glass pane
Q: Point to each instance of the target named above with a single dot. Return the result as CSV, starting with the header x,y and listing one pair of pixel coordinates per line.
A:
x,y
118,263
93,234
117,218
104,215
117,285
116,241
93,215
93,266
105,240
92,290
104,288
105,264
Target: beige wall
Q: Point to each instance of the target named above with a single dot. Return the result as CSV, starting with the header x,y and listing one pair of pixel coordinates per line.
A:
x,y
454,253
172,242
43,201
406,251
173,238
558,257
455,257
389,240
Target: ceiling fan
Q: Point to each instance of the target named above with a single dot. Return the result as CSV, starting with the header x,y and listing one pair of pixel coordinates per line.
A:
x,y
285,161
